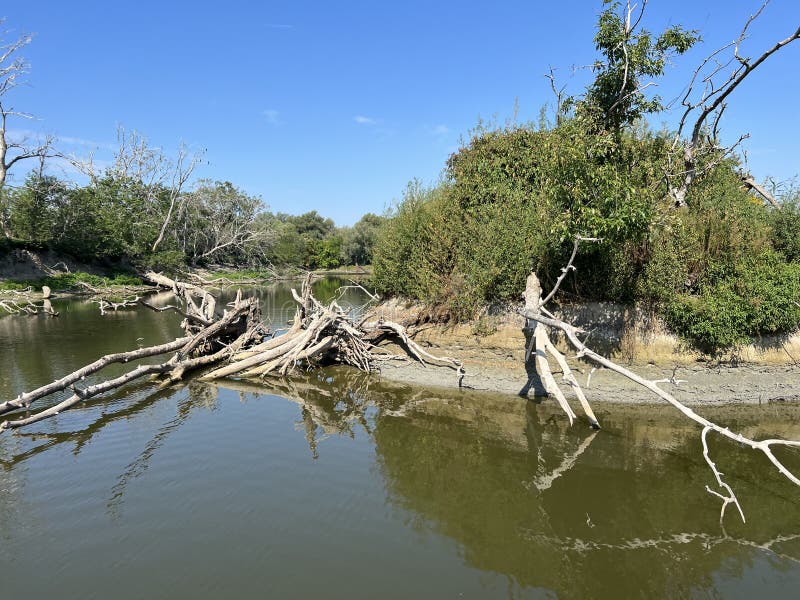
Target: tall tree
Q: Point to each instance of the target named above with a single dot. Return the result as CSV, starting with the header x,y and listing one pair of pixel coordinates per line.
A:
x,y
12,151
630,54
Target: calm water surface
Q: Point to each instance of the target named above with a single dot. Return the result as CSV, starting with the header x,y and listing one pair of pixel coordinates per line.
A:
x,y
339,485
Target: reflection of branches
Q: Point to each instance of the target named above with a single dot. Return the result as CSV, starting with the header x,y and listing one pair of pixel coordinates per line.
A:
x,y
330,401
140,465
570,544
545,480
82,437
534,310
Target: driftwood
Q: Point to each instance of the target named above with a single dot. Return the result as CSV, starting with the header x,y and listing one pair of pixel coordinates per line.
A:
x,y
543,319
210,338
324,335
319,335
22,302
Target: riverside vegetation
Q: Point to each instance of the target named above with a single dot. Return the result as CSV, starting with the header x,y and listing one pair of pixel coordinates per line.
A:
x,y
669,217
680,228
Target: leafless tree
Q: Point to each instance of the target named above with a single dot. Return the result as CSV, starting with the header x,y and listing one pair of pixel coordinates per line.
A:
x,y
217,219
704,103
137,160
535,311
12,69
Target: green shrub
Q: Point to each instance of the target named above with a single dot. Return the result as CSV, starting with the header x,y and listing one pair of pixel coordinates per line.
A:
x,y
758,297
786,227
68,281
168,261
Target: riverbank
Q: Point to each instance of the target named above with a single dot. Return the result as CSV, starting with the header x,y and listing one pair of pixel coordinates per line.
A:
x,y
21,268
493,352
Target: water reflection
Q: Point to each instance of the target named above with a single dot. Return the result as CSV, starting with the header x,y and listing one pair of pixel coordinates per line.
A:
x,y
621,512
502,483
199,397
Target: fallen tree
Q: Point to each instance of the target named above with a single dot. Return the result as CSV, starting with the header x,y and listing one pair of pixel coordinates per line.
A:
x,y
24,302
210,338
327,334
319,335
535,311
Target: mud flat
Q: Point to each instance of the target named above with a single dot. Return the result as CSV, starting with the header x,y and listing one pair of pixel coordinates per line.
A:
x,y
493,352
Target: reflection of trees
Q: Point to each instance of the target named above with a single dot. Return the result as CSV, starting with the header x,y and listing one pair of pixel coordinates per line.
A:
x,y
621,512
633,489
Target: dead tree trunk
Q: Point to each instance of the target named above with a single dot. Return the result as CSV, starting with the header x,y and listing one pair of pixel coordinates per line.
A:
x,y
326,334
534,310
210,338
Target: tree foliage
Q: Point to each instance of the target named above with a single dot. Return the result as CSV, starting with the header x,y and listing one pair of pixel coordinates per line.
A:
x,y
628,54
720,269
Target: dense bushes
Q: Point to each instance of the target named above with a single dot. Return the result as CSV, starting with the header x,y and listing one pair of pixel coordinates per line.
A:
x,y
721,269
513,200
760,296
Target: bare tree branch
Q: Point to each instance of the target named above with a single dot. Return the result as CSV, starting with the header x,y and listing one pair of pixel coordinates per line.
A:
x,y
712,102
535,311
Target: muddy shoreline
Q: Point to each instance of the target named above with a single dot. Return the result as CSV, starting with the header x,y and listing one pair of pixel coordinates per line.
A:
x,y
698,385
764,372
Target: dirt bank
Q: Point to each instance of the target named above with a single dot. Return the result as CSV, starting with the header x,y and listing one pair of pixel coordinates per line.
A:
x,y
493,352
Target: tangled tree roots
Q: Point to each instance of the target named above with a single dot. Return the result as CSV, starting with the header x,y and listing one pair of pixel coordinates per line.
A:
x,y
319,335
326,335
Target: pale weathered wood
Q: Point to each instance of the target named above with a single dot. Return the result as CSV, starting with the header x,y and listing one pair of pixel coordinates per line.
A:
x,y
25,399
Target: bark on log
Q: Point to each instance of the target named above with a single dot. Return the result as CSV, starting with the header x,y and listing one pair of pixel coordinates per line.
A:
x,y
211,343
25,399
325,333
318,334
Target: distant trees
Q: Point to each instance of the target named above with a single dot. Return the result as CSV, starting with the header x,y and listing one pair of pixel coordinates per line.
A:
x,y
314,242
117,215
359,240
217,222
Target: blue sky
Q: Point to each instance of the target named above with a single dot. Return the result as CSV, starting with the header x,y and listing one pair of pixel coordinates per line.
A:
x,y
335,106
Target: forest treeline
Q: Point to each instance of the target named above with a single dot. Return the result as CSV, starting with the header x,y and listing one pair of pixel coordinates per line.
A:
x,y
717,262
116,218
679,225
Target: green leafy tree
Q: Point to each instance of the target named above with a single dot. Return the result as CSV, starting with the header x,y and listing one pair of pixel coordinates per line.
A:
x,y
34,208
358,241
629,55
313,225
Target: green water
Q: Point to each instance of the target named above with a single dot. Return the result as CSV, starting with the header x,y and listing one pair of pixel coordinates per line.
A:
x,y
341,485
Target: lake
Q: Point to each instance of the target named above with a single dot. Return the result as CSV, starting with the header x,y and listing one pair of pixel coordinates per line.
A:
x,y
338,484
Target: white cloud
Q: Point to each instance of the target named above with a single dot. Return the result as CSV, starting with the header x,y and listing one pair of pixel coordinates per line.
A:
x,y
22,135
362,120
440,130
271,116
73,141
